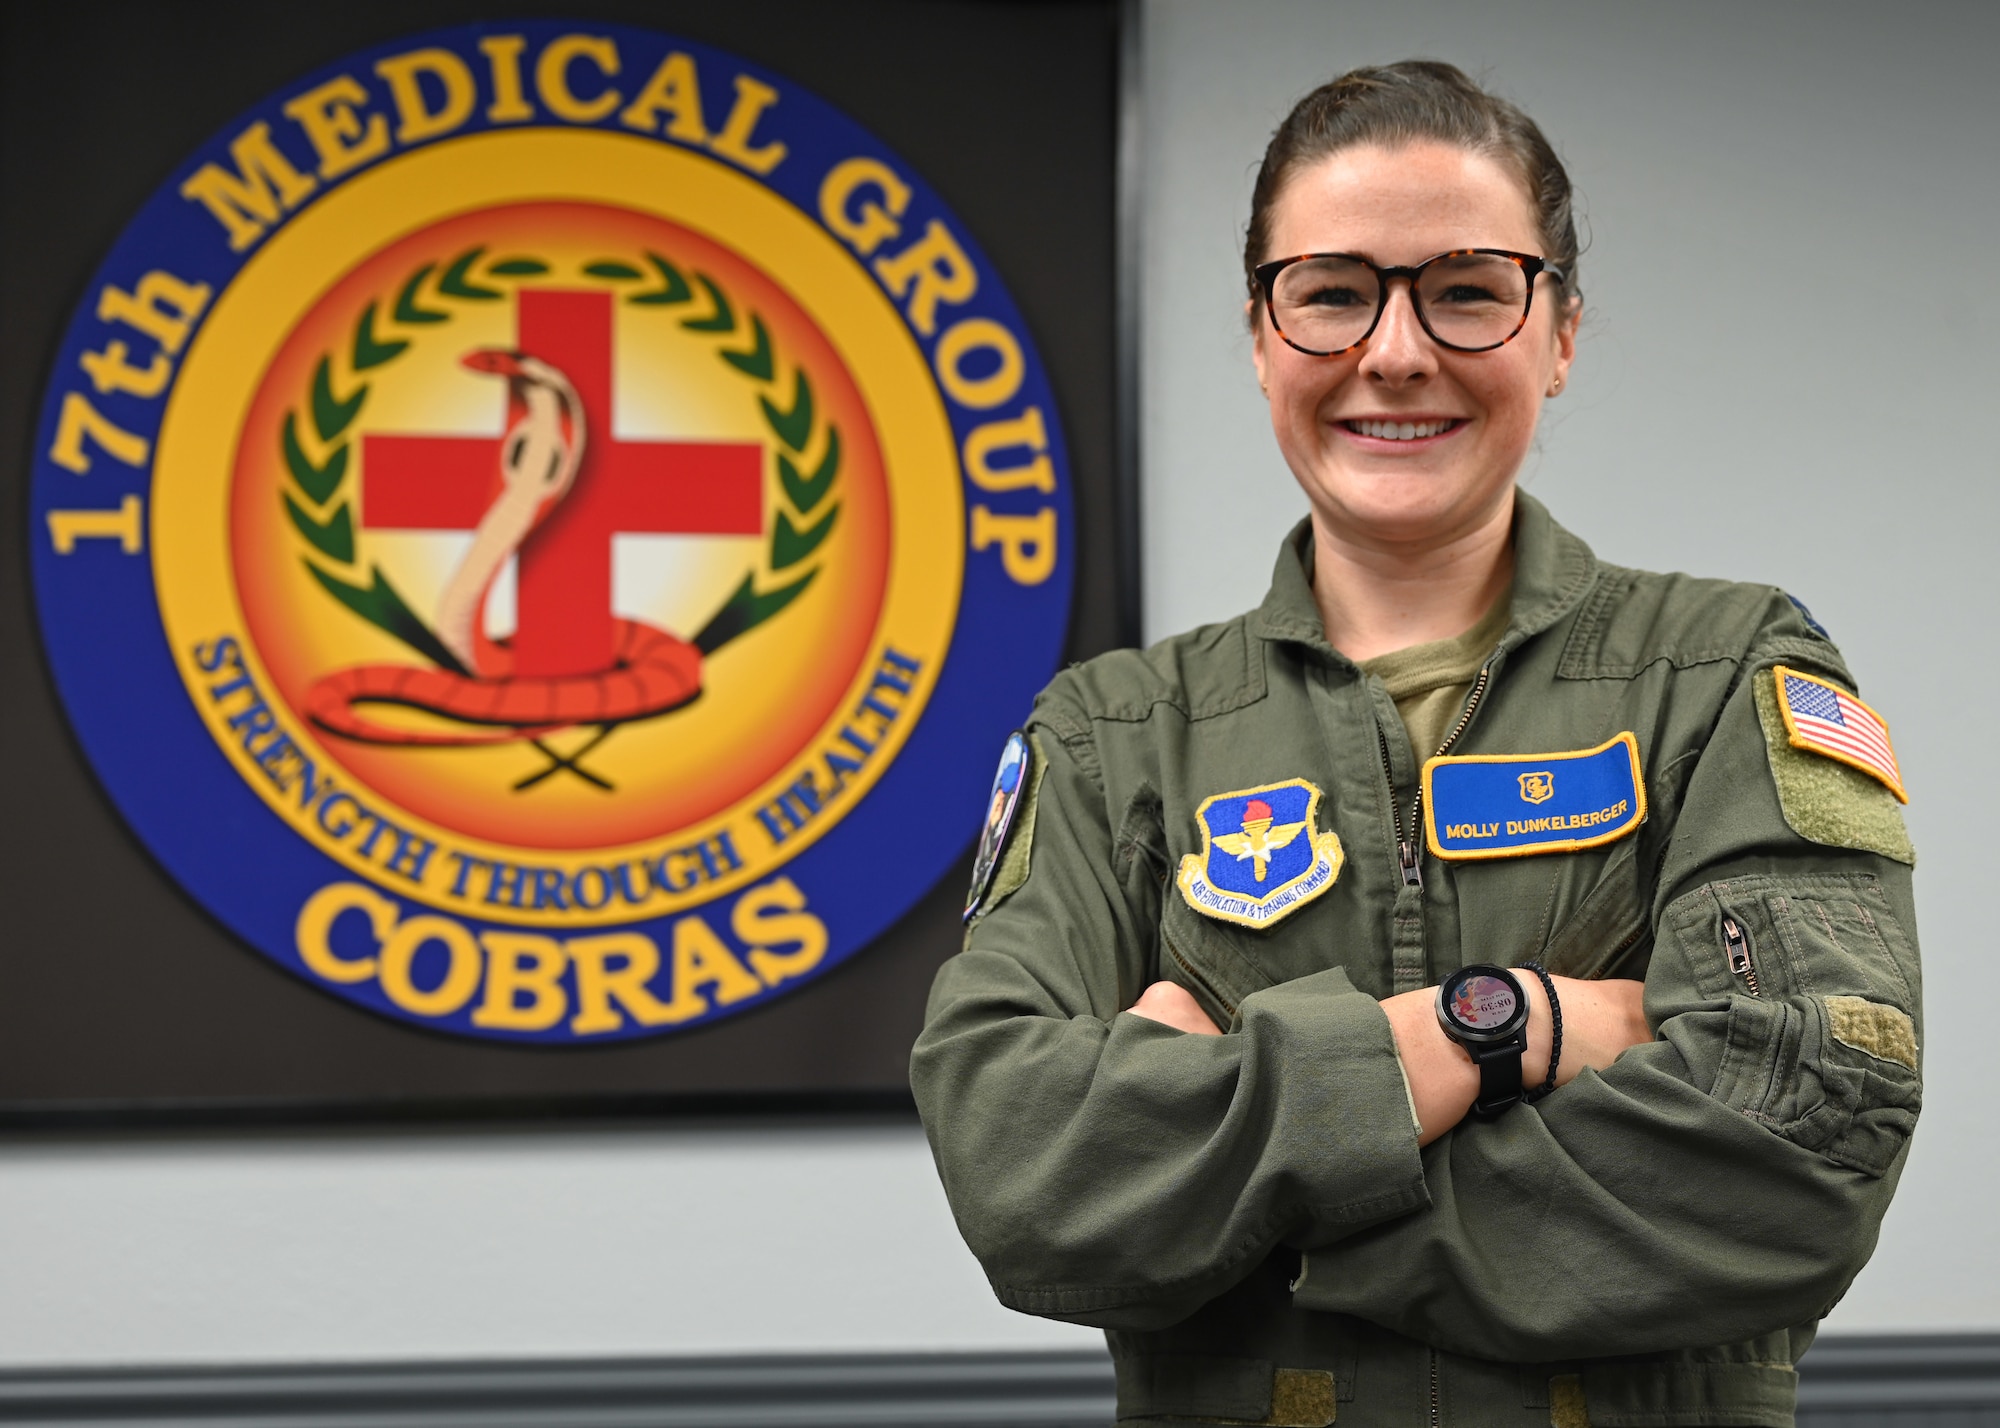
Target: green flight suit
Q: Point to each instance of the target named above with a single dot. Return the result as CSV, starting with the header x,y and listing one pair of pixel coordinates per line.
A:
x,y
1250,1216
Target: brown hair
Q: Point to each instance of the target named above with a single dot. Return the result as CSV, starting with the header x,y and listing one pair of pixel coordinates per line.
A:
x,y
1414,100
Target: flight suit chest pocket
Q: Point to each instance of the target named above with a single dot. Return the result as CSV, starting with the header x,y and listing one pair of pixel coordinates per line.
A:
x,y
1578,914
1583,914
1602,935
1209,959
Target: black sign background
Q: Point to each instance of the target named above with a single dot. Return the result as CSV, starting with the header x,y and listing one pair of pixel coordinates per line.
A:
x,y
119,998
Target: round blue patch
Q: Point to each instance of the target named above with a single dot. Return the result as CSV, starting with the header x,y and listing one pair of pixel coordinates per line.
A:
x,y
283,778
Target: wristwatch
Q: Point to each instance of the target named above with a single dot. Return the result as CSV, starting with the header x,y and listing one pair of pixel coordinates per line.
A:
x,y
1481,1008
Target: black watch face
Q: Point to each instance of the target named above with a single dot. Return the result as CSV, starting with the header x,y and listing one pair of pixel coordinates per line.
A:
x,y
1482,1003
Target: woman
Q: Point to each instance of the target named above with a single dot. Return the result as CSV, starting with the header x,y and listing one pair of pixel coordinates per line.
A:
x,y
1209,1072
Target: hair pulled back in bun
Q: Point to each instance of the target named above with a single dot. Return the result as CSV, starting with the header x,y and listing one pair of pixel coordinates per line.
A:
x,y
1410,101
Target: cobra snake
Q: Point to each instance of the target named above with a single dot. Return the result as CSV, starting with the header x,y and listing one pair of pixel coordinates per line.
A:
x,y
652,672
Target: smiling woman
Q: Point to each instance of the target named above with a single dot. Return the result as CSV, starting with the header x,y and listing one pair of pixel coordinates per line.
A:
x,y
1480,984
1406,374
1406,447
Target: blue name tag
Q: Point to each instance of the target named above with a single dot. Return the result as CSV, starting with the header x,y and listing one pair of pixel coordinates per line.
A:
x,y
1512,805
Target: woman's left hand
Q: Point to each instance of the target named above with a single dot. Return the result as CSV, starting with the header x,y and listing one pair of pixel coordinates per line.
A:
x,y
1169,1003
1601,1020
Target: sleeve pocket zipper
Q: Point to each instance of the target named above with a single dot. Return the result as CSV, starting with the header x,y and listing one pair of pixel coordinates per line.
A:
x,y
1736,942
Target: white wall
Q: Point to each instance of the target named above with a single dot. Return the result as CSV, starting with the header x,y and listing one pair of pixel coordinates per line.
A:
x,y
1788,373
1764,183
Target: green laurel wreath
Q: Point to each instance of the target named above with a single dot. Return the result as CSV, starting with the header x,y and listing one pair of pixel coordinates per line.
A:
x,y
322,511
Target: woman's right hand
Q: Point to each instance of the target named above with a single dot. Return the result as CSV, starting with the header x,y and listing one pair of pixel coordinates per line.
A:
x,y
1600,1020
1172,1004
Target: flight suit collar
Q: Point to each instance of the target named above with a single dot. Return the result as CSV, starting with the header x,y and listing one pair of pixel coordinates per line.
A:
x,y
1552,570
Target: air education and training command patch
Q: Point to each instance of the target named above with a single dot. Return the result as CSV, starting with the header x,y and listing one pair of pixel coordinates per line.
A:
x,y
1262,855
1512,805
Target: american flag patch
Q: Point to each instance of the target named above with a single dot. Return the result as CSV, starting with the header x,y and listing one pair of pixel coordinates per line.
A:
x,y
1830,721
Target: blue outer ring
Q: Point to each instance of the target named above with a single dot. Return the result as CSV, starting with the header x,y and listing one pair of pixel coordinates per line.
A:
x,y
107,647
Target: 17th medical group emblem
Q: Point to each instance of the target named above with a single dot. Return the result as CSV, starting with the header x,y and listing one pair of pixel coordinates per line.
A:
x,y
539,530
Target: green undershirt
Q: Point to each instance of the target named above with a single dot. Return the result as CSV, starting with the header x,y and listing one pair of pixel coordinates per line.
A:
x,y
1430,682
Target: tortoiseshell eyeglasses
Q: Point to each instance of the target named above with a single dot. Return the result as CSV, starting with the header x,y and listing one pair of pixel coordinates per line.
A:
x,y
1470,299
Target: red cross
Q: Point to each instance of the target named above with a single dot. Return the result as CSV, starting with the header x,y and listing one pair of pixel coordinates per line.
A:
x,y
564,624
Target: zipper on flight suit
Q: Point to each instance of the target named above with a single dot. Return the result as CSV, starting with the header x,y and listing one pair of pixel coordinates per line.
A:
x,y
1408,849
1194,975
1736,942
1408,852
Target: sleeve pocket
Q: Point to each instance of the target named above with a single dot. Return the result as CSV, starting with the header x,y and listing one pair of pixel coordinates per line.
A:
x,y
1875,1084
1820,986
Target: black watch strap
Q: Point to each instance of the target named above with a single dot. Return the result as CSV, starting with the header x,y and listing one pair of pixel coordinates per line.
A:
x,y
1499,1077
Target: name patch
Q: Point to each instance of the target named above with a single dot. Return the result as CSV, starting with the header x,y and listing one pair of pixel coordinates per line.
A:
x,y
1513,805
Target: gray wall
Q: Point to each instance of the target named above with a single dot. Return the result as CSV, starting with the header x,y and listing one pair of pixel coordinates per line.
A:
x,y
370,1247
1782,378
1787,373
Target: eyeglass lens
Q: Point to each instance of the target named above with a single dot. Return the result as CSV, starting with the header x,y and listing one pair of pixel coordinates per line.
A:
x,y
1469,300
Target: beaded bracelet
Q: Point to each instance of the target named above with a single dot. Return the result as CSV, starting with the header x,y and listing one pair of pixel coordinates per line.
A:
x,y
1556,1041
